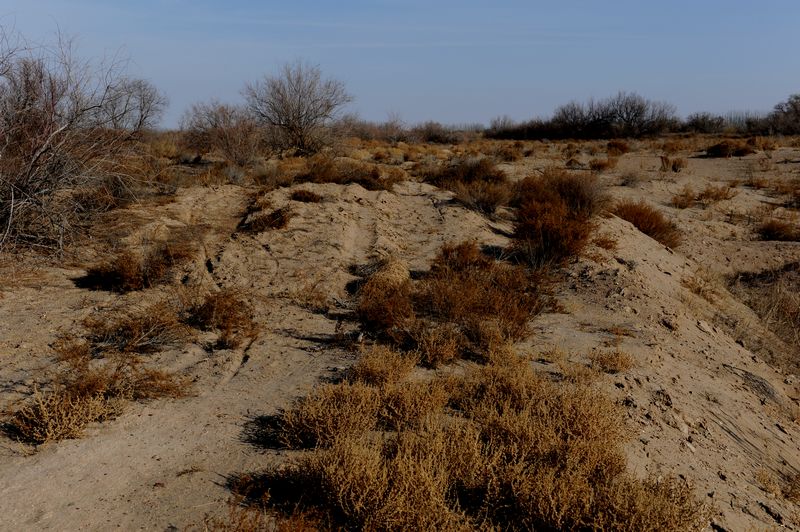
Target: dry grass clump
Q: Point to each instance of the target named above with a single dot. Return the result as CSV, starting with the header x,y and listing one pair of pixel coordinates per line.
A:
x,y
712,194
381,365
476,182
384,300
708,196
617,147
462,306
519,452
649,221
674,165
611,361
703,283
227,312
729,148
773,295
88,391
323,168
407,405
57,415
464,285
330,412
508,151
260,222
684,199
780,230
554,216
603,165
138,330
129,271
305,196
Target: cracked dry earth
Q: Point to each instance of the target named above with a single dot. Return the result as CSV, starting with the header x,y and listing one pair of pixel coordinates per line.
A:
x,y
704,399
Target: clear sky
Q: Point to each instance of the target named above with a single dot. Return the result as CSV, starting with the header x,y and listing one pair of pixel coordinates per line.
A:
x,y
455,61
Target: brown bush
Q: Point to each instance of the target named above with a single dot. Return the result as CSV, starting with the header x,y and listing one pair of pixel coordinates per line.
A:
x,y
260,222
89,391
323,168
554,216
139,330
409,405
685,198
482,196
438,343
305,196
674,165
509,151
780,230
603,165
611,361
477,183
381,365
331,411
617,147
384,301
649,221
464,286
712,194
227,312
129,271
729,148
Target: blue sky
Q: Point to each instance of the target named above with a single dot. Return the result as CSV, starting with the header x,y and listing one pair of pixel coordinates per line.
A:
x,y
452,61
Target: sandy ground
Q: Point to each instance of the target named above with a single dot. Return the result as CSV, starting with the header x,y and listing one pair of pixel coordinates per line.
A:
x,y
704,400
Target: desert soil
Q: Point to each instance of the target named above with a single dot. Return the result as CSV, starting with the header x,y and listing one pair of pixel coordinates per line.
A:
x,y
711,396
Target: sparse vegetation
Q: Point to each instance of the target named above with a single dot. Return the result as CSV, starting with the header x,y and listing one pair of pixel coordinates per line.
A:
x,y
305,196
780,230
649,221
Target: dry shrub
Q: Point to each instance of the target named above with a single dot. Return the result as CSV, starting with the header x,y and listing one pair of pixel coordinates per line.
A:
x,y
554,216
674,165
712,194
617,147
649,221
330,412
631,179
129,271
409,405
602,165
322,168
305,196
89,391
260,222
606,242
227,312
521,452
780,230
464,286
673,146
729,148
611,361
703,283
508,151
684,198
384,301
57,415
773,295
481,196
438,344
140,330
380,365
476,182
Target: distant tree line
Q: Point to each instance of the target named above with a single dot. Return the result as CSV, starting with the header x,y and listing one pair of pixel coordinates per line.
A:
x,y
631,115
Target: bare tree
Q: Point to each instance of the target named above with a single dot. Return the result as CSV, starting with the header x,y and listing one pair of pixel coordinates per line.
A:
x,y
298,103
132,105
227,128
62,123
